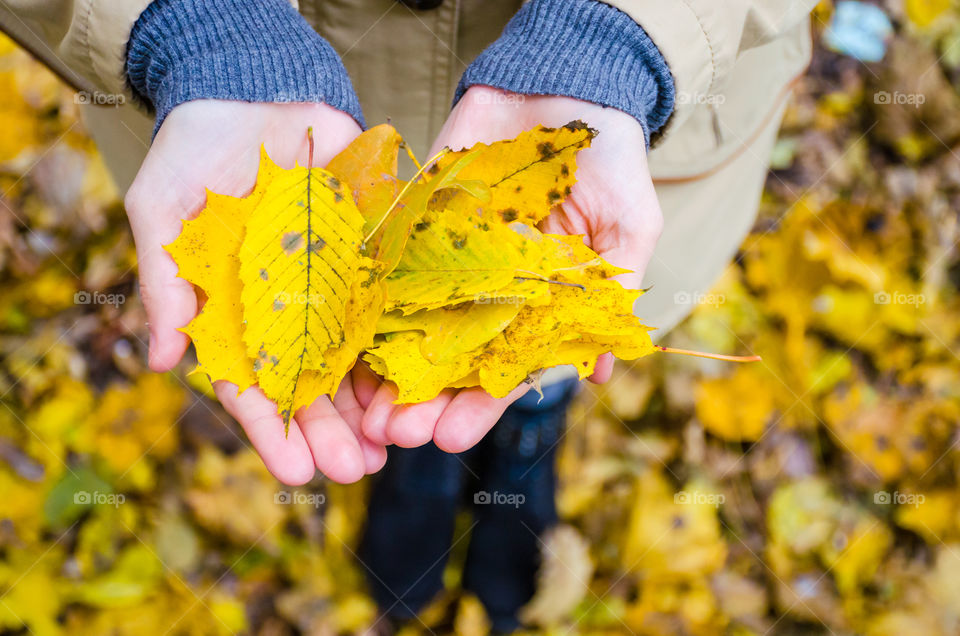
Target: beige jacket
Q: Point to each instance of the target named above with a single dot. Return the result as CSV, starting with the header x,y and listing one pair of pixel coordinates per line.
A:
x,y
733,63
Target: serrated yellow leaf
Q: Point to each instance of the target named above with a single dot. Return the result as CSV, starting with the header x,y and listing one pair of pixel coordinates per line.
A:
x,y
453,331
212,265
298,262
453,258
530,175
364,306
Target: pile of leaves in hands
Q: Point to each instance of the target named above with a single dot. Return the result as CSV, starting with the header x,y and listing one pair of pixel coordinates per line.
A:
x,y
441,282
815,492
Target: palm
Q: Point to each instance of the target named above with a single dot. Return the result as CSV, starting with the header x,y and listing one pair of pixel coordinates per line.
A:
x,y
613,204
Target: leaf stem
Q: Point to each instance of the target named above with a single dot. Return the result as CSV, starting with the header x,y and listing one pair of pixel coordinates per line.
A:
x,y
407,187
410,154
709,356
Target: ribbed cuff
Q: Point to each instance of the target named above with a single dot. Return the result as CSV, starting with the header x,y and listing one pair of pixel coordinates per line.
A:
x,y
247,50
583,49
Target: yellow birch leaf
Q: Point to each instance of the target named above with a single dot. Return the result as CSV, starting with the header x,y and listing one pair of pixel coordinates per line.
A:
x,y
364,306
298,262
212,265
530,175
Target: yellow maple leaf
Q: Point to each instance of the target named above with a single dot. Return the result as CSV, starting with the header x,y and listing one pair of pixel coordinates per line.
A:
x,y
213,266
530,175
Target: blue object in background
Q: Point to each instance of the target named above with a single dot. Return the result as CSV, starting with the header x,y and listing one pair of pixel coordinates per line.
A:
x,y
859,30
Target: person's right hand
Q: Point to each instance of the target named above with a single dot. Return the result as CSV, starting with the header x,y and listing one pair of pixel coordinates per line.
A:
x,y
215,144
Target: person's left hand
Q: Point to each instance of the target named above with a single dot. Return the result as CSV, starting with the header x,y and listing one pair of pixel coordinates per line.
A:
x,y
613,204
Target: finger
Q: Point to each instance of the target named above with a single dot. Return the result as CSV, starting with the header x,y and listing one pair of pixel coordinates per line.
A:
x,y
365,383
603,370
374,455
412,425
286,456
170,302
350,409
470,416
334,446
375,418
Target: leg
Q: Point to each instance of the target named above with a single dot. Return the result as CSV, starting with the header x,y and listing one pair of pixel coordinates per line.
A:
x,y
515,503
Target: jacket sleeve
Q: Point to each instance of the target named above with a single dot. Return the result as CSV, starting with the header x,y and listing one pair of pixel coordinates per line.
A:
x,y
701,40
84,41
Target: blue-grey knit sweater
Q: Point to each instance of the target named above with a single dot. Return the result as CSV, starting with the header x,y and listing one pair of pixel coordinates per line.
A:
x,y
264,51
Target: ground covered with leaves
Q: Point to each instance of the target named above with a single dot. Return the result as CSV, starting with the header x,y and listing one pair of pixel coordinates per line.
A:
x,y
815,492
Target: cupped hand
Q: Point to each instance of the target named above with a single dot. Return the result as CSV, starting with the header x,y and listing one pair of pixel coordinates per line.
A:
x,y
215,145
613,204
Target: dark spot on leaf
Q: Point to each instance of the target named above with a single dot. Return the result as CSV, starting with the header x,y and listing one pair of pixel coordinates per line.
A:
x,y
291,242
278,304
546,150
337,197
577,125
274,359
257,365
567,191
333,182
317,244
565,170
508,215
300,203
434,169
519,188
264,275
553,196
421,226
548,130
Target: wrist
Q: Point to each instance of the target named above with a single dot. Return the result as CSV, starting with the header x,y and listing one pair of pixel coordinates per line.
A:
x,y
182,50
583,49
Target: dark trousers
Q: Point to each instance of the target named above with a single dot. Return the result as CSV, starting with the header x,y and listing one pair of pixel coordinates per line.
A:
x,y
507,481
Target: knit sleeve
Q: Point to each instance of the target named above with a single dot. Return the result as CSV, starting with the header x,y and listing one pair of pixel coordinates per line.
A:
x,y
263,51
579,48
